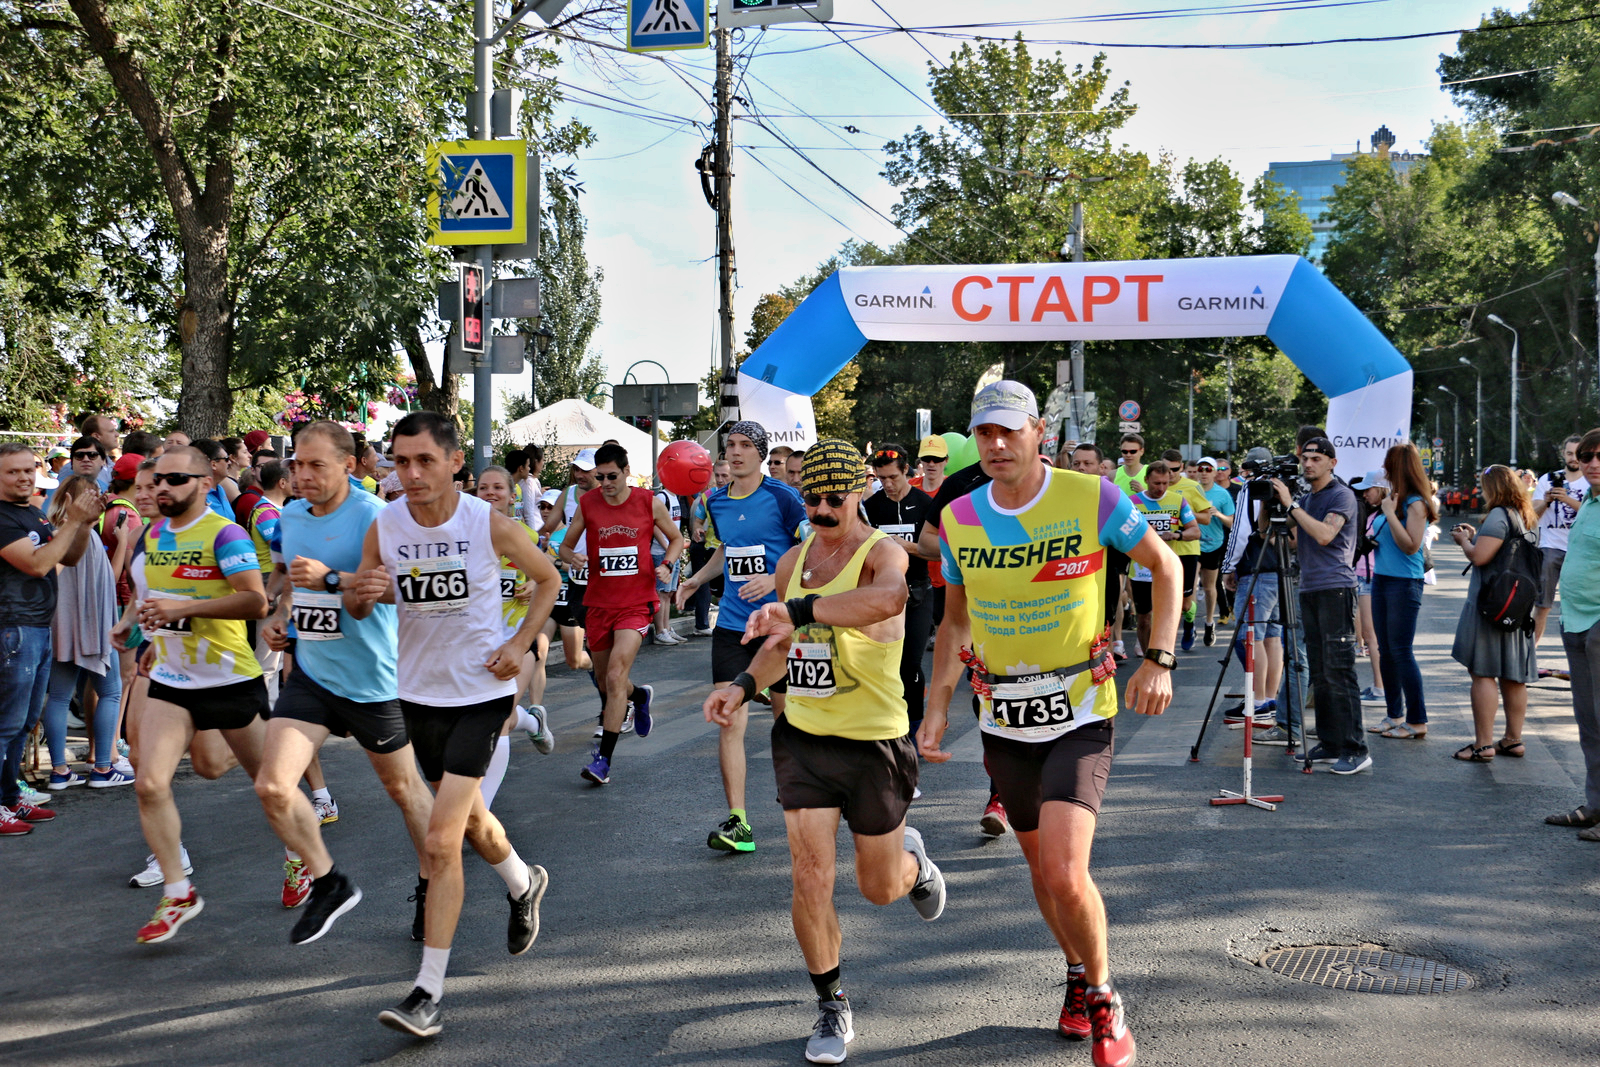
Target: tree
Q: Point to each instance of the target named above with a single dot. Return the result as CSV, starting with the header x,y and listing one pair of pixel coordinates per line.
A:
x,y
569,298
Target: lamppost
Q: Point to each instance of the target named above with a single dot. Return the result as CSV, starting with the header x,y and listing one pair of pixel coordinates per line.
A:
x,y
541,345
1516,339
1477,418
1455,433
1568,200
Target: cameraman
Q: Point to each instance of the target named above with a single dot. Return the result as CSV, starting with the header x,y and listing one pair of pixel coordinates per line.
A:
x,y
1328,516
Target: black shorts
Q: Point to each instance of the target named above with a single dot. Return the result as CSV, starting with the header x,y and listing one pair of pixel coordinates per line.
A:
x,y
871,782
576,611
1191,572
456,740
377,727
1143,600
1212,561
1072,768
730,658
222,707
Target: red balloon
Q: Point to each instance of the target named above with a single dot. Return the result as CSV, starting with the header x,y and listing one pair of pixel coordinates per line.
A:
x,y
684,468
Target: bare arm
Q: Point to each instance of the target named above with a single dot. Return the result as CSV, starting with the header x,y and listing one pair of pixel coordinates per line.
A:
x,y
1320,531
66,547
1408,535
247,601
882,597
372,584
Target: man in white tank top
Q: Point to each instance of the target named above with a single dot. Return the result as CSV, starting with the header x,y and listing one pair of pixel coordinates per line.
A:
x,y
435,555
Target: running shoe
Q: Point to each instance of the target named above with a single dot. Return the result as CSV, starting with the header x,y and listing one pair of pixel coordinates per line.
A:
x,y
59,782
1318,754
1118,650
151,875
124,766
106,779
30,795
1209,636
11,826
420,897
927,894
1276,736
1188,635
703,631
296,883
1266,713
599,769
599,731
331,896
523,926
734,835
327,810
1113,1043
417,1015
833,1030
32,813
641,712
1352,765
1074,1022
170,914
993,822
1370,695
542,738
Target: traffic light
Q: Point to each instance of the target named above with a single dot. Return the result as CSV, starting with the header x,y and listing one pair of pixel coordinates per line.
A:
x,y
471,317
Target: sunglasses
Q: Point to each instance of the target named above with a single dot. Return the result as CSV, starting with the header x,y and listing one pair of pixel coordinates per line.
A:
x,y
814,500
931,459
613,476
177,478
1587,457
1130,451
1205,467
86,455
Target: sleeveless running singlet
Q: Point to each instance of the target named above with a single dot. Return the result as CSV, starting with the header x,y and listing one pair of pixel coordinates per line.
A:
x,y
569,508
620,572
447,598
841,682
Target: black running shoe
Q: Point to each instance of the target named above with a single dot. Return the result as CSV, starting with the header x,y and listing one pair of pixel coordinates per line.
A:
x,y
417,1015
418,929
1210,635
331,896
524,924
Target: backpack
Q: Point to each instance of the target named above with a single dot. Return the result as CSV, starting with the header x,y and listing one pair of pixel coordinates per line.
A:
x,y
1508,588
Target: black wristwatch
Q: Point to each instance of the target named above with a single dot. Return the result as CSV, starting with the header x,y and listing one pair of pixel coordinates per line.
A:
x,y
1161,658
330,581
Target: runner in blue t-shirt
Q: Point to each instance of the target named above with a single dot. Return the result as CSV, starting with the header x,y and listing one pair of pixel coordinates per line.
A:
x,y
1213,542
751,522
344,681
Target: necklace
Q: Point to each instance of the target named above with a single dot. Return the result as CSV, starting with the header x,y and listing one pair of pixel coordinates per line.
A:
x,y
805,575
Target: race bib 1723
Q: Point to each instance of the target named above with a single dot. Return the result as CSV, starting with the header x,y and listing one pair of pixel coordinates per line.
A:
x,y
316,616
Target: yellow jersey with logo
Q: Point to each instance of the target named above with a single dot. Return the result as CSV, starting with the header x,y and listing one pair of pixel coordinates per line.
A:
x,y
194,564
1171,512
1191,492
512,610
1034,580
842,683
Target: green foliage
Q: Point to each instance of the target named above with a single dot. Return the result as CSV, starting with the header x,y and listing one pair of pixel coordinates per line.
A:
x,y
569,298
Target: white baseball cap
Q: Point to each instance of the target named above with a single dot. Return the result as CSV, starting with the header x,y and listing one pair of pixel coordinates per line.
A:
x,y
584,460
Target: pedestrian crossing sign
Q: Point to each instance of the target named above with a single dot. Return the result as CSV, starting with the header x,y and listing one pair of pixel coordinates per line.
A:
x,y
479,193
663,25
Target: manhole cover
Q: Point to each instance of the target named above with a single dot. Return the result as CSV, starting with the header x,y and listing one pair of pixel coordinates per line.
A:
x,y
1365,970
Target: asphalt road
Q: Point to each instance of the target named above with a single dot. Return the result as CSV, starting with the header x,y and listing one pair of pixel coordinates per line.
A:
x,y
656,950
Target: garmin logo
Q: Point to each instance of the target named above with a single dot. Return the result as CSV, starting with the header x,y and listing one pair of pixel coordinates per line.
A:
x,y
1384,443
877,300
1222,303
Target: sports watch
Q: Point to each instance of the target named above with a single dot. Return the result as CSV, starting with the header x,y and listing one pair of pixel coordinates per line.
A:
x,y
1161,658
330,582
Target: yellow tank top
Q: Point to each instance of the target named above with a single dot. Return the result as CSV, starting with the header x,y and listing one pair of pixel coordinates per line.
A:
x,y
841,682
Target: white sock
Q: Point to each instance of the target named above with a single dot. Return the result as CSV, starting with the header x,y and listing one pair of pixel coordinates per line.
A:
x,y
526,720
322,794
177,890
290,854
514,873
496,773
430,977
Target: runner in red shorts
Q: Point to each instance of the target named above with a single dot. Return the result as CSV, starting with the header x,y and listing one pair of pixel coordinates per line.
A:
x,y
621,598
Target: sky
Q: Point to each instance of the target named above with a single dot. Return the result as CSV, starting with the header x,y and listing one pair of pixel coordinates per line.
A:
x,y
653,234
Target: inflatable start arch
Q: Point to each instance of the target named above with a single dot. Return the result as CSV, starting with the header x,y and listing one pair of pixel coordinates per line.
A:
x,y
1367,381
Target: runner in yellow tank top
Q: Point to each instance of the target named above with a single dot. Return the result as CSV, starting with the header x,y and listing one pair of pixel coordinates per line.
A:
x,y
842,745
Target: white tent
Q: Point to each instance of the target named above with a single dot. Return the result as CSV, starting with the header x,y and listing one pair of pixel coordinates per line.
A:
x,y
569,425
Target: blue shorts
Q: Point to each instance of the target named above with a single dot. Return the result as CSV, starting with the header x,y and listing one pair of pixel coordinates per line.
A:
x,y
658,556
1265,587
1363,586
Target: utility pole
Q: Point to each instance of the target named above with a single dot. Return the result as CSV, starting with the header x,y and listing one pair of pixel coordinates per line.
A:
x,y
723,175
478,128
1085,433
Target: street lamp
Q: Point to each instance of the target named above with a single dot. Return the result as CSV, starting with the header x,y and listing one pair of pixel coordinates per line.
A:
x,y
1568,200
1477,418
1455,433
542,337
1516,339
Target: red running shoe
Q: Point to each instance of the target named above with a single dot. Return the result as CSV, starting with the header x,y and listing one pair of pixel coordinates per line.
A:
x,y
32,813
993,822
1113,1044
11,826
170,914
296,883
1074,1024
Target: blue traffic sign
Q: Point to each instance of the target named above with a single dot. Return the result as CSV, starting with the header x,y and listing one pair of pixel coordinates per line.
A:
x,y
479,194
1129,410
662,25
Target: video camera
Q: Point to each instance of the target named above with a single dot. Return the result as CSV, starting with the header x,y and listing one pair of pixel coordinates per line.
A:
x,y
1259,488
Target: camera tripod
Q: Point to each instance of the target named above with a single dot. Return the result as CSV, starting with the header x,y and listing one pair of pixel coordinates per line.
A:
x,y
1277,542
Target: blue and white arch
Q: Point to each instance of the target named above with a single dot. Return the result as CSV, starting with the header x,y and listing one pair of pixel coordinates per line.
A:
x,y
1367,381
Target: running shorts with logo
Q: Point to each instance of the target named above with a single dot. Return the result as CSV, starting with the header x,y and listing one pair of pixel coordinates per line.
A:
x,y
844,740
378,727
195,655
622,584
754,532
1034,580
